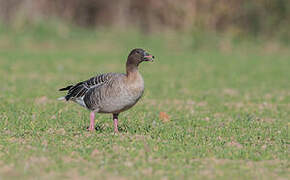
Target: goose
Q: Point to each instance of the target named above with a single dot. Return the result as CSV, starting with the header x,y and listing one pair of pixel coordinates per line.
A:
x,y
110,92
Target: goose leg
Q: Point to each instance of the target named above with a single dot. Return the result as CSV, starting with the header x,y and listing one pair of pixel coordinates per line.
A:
x,y
115,118
92,121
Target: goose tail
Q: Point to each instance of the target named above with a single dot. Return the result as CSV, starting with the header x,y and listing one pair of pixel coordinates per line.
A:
x,y
66,88
61,98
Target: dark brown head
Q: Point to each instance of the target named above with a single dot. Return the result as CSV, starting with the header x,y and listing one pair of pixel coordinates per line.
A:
x,y
137,56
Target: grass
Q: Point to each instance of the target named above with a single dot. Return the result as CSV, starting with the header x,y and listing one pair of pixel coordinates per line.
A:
x,y
228,108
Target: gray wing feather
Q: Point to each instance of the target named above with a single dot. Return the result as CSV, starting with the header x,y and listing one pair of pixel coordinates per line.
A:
x,y
82,88
95,96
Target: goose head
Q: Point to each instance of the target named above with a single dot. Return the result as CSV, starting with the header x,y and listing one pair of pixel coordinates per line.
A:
x,y
138,55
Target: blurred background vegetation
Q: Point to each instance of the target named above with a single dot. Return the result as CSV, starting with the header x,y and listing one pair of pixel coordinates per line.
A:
x,y
240,19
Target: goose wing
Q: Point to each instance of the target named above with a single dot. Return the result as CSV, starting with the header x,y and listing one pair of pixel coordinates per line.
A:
x,y
80,89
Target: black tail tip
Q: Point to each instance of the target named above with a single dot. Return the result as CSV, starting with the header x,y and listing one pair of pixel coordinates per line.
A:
x,y
66,98
65,89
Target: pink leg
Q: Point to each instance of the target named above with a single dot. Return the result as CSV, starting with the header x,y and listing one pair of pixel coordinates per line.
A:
x,y
92,121
115,118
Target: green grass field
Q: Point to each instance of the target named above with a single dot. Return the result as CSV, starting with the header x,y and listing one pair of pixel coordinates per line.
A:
x,y
228,107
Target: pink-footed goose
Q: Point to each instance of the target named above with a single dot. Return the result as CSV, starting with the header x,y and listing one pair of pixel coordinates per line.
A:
x,y
111,92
